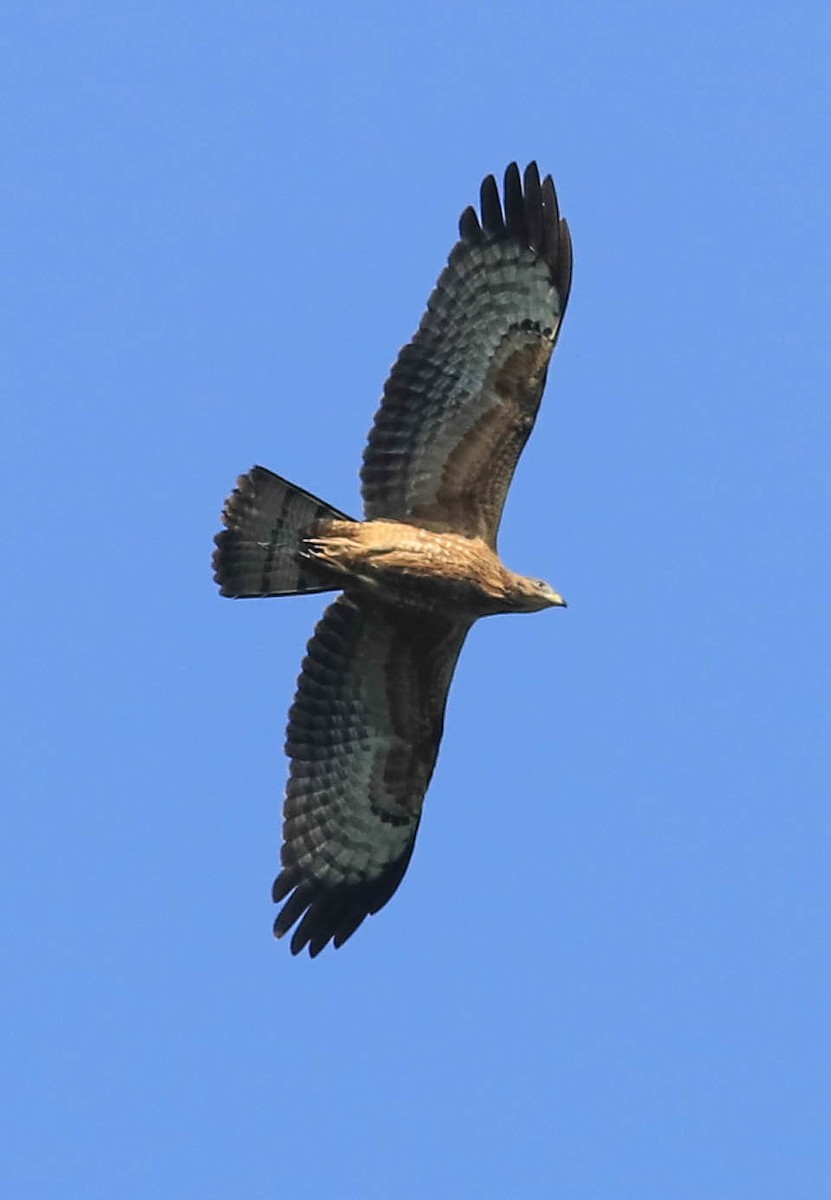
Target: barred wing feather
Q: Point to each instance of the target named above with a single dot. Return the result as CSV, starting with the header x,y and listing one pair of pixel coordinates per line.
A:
x,y
363,736
463,395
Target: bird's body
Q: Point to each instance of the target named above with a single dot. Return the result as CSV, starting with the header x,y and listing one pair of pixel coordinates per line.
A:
x,y
404,565
417,572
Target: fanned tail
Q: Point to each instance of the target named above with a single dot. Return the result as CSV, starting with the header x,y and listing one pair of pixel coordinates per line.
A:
x,y
266,518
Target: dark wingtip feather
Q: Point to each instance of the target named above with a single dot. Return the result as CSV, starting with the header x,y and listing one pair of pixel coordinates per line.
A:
x,y
551,210
553,248
331,914
469,227
515,222
531,217
533,208
282,885
292,910
492,221
565,262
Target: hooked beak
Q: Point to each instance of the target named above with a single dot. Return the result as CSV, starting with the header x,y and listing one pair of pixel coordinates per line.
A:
x,y
556,600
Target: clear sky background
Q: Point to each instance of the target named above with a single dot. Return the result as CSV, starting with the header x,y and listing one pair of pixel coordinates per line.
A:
x,y
606,973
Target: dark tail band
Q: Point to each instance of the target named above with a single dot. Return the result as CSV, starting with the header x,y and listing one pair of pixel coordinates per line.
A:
x,y
266,518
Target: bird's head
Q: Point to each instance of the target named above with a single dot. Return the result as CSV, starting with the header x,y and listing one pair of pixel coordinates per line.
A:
x,y
535,594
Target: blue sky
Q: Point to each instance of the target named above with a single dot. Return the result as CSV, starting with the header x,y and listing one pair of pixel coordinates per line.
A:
x,y
606,972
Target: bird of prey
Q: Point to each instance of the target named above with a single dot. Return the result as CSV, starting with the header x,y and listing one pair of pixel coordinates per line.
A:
x,y
418,570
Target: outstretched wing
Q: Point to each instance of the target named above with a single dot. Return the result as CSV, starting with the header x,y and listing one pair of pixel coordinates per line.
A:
x,y
363,736
462,397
